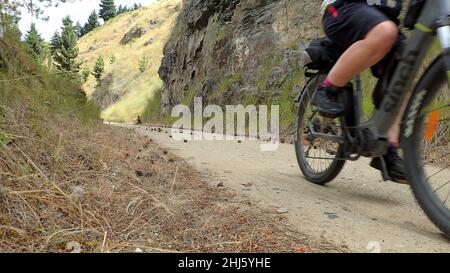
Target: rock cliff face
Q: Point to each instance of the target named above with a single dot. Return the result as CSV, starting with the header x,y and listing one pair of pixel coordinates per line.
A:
x,y
238,51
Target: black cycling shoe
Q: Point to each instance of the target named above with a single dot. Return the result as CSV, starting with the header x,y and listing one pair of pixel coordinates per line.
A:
x,y
327,102
394,165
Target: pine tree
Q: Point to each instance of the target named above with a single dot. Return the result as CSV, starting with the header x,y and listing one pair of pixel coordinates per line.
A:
x,y
35,43
120,9
78,29
98,70
92,23
67,21
143,64
125,9
66,55
10,11
107,9
137,6
85,73
55,42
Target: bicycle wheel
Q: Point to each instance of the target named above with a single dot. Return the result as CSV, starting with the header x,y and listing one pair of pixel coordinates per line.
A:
x,y
426,143
318,159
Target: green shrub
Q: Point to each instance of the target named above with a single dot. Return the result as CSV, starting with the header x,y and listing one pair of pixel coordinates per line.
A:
x,y
143,64
152,110
40,95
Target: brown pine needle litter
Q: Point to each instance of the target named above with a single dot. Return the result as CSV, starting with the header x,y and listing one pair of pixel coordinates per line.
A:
x,y
72,188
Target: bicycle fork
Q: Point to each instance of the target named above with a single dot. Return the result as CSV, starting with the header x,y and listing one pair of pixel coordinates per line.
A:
x,y
443,32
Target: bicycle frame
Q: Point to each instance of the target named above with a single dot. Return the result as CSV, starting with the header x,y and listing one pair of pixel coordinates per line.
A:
x,y
435,18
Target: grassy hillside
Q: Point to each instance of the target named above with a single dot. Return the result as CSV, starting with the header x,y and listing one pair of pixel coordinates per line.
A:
x,y
42,119
68,183
123,77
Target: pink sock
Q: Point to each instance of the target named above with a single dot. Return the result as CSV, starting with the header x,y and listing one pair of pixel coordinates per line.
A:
x,y
393,144
327,83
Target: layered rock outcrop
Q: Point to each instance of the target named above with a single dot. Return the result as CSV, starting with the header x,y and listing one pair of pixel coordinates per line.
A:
x,y
238,51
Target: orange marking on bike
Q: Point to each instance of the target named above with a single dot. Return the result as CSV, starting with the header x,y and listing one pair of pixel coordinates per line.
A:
x,y
432,125
305,142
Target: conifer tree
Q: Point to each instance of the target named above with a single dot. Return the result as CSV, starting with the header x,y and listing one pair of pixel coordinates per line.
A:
x,y
107,10
121,9
67,53
98,70
137,6
85,73
35,43
78,29
92,23
143,64
55,42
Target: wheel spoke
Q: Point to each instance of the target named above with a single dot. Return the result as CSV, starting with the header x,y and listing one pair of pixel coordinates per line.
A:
x,y
443,169
434,149
446,199
440,187
319,154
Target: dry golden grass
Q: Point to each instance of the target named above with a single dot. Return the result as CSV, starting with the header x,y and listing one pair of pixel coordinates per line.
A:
x,y
136,87
71,184
108,190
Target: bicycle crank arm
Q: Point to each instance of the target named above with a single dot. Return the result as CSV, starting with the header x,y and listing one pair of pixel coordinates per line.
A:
x,y
332,138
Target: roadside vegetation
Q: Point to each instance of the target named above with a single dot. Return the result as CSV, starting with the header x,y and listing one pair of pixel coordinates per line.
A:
x,y
134,41
68,183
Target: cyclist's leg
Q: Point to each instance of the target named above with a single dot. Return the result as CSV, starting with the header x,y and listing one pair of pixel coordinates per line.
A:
x,y
368,36
393,161
366,33
378,71
364,53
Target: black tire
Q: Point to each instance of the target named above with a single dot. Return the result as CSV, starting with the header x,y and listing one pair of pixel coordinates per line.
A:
x,y
424,94
332,171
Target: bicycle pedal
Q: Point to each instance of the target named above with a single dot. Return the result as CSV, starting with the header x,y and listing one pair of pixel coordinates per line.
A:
x,y
330,117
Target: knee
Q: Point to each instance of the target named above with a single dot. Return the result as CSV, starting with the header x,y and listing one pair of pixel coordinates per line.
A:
x,y
386,34
391,32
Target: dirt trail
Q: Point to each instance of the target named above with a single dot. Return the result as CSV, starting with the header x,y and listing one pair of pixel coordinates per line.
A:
x,y
357,210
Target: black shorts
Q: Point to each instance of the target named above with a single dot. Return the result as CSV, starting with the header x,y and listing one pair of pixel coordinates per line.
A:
x,y
346,22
